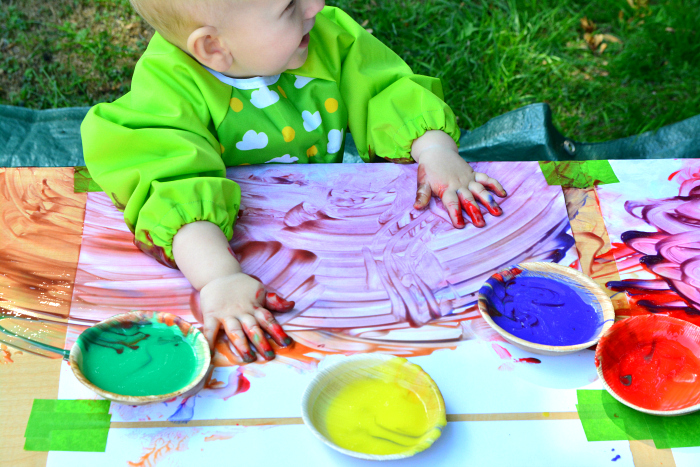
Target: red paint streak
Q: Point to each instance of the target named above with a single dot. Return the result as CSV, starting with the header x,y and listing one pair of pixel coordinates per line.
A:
x,y
258,293
279,335
652,362
256,335
456,214
527,360
276,303
6,356
673,175
217,437
155,251
501,351
474,214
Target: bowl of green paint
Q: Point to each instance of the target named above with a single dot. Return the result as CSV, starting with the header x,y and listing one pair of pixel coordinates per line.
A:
x,y
141,357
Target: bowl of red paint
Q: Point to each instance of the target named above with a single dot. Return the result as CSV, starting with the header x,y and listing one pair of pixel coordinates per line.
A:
x,y
545,308
652,364
141,357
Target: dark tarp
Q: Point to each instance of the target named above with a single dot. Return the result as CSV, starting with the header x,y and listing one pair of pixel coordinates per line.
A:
x,y
51,138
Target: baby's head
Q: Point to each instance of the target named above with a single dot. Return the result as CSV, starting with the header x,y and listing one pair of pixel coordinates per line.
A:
x,y
240,38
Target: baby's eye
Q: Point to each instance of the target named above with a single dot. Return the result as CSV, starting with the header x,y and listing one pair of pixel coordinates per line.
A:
x,y
291,4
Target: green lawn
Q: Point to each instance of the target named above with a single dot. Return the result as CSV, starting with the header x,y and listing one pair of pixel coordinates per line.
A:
x,y
638,70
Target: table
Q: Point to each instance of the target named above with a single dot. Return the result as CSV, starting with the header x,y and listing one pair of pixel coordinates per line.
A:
x,y
59,260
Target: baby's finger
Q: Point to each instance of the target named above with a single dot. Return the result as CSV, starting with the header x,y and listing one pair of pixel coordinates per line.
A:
x,y
485,198
210,329
490,183
423,194
270,324
451,204
235,334
276,303
469,205
257,336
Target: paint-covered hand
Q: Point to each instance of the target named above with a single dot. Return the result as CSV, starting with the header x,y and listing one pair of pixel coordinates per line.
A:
x,y
443,173
240,304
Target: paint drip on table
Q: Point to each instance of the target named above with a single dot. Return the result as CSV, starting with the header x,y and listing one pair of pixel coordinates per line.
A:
x,y
143,358
548,309
396,413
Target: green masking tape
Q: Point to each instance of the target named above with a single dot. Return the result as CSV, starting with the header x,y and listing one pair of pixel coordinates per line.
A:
x,y
68,425
578,174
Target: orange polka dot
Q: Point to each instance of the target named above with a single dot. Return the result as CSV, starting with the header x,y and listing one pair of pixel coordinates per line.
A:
x,y
236,104
331,105
312,151
288,133
282,91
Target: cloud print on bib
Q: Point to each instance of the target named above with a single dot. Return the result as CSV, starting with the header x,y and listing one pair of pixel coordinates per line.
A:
x,y
263,97
286,159
301,81
335,140
252,140
311,120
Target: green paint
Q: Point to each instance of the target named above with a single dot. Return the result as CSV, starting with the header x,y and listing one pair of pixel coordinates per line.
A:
x,y
605,419
83,182
68,425
144,359
578,174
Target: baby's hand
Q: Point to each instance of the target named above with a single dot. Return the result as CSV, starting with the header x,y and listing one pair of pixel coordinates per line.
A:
x,y
443,173
241,304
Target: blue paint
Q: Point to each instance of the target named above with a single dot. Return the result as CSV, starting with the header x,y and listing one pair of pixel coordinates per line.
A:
x,y
541,309
614,459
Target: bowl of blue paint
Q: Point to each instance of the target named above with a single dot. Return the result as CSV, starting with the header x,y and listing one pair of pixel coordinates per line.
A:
x,y
546,308
141,357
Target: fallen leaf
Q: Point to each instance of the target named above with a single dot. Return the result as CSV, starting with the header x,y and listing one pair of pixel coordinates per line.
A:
x,y
631,4
603,46
587,25
670,30
370,30
611,38
365,23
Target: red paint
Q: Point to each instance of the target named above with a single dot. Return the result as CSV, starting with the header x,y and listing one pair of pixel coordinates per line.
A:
x,y
473,211
456,215
673,175
652,362
274,302
279,335
501,351
255,334
157,252
527,360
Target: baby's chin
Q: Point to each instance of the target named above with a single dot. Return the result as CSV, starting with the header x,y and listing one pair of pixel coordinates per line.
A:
x,y
298,59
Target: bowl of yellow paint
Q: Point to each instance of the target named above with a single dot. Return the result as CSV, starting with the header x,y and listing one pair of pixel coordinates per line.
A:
x,y
141,357
374,406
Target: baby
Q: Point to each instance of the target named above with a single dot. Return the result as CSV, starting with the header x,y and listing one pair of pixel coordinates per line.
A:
x,y
235,82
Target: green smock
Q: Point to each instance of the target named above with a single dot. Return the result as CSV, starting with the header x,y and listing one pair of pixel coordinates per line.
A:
x,y
161,151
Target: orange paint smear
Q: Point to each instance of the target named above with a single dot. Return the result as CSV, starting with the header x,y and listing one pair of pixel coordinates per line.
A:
x,y
217,437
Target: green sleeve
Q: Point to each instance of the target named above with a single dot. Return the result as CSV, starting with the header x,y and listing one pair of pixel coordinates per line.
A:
x,y
388,106
155,153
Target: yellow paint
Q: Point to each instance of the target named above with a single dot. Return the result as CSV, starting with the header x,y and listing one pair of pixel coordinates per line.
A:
x,y
236,104
386,416
312,151
222,148
288,133
545,414
331,105
282,91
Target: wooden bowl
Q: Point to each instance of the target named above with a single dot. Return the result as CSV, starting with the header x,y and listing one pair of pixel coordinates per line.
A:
x,y
329,383
652,364
101,337
575,283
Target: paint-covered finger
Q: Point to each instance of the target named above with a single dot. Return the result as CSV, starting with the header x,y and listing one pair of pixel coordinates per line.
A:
x,y
270,324
276,303
451,204
469,205
423,194
257,336
490,184
485,198
235,334
210,328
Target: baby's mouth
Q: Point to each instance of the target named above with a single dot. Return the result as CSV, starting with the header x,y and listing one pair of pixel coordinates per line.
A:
x,y
304,41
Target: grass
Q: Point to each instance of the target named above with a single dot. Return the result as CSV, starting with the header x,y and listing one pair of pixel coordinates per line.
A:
x,y
637,69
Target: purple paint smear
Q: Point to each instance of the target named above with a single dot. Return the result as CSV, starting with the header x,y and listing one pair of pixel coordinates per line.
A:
x,y
672,252
344,242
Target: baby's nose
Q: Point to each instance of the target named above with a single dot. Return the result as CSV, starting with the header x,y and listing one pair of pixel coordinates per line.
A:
x,y
315,6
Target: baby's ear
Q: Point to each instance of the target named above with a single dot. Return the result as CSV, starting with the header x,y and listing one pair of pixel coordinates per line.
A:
x,y
206,47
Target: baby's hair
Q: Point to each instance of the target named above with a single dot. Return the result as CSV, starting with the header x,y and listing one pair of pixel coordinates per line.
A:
x,y
175,19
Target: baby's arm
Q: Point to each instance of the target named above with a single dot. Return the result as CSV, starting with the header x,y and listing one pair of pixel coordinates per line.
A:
x,y
442,172
228,297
